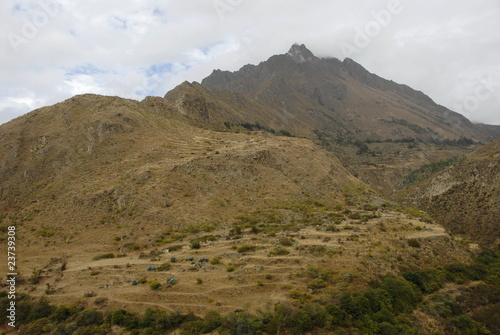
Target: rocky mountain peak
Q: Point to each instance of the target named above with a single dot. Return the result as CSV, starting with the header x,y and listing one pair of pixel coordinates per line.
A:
x,y
300,53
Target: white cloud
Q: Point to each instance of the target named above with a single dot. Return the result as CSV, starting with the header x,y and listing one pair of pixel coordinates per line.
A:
x,y
442,48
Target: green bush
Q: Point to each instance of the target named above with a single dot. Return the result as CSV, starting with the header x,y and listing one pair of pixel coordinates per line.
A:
x,y
154,285
285,241
164,267
405,295
215,261
336,314
41,309
131,246
354,216
317,284
278,251
414,243
124,319
89,317
246,248
60,314
173,248
427,280
104,256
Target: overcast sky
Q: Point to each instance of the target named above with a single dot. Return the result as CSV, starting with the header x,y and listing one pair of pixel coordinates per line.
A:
x,y
51,50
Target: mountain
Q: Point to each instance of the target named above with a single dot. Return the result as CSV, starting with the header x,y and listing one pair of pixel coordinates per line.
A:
x,y
380,130
464,197
343,99
102,188
213,210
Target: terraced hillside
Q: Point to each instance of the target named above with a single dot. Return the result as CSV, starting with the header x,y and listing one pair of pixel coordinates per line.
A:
x,y
465,196
101,189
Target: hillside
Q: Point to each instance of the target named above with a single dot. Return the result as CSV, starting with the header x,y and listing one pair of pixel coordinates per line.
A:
x,y
464,197
126,204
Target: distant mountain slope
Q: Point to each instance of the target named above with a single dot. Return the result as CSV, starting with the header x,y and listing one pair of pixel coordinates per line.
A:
x,y
344,100
379,129
464,197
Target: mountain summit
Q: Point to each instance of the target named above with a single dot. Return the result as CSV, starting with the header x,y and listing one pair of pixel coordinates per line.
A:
x,y
300,53
344,100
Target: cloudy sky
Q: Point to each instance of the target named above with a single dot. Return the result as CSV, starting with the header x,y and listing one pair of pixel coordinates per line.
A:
x,y
53,49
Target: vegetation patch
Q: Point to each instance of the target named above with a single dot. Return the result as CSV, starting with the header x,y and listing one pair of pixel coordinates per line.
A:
x,y
426,172
385,306
278,251
246,248
104,256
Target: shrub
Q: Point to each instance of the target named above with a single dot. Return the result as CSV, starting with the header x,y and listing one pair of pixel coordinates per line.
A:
x,y
316,284
213,320
427,280
278,251
173,248
414,243
41,309
332,228
301,322
246,248
131,246
405,295
336,314
164,267
215,261
354,216
195,245
154,285
368,207
88,317
46,232
100,300
35,277
60,314
317,250
104,256
285,241
124,318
